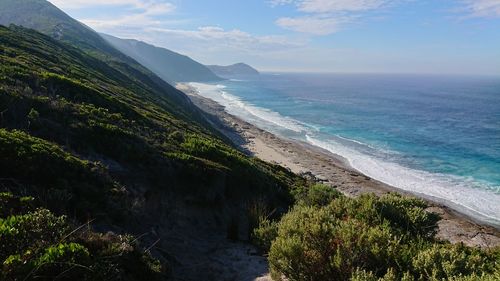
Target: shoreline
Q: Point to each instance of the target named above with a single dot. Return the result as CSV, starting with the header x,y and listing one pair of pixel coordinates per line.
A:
x,y
333,170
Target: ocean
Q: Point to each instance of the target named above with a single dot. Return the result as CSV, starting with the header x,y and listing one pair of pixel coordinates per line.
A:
x,y
435,136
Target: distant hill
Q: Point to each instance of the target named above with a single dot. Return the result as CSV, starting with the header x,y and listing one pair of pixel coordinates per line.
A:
x,y
235,69
168,65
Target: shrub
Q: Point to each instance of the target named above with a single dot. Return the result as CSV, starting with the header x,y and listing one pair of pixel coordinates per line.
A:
x,y
120,257
482,277
312,244
264,235
369,238
10,204
449,261
21,233
49,167
316,195
363,275
257,212
408,214
41,246
33,116
24,156
68,260
65,252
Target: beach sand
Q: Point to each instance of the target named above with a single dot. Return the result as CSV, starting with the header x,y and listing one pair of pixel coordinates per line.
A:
x,y
332,170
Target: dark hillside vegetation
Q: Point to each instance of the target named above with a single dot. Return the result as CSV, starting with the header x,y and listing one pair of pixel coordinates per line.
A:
x,y
84,141
107,61
38,245
48,19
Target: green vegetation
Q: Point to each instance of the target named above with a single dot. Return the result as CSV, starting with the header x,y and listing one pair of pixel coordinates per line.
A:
x,y
89,138
38,245
83,114
367,238
72,185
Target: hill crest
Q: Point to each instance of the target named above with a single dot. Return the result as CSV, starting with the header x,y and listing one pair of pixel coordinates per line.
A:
x,y
234,69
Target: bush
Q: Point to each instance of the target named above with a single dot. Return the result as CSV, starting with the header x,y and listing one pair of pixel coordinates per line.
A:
x,y
63,261
24,156
264,235
482,277
368,238
313,245
37,245
28,232
363,275
449,261
10,204
316,195
120,257
408,214
39,163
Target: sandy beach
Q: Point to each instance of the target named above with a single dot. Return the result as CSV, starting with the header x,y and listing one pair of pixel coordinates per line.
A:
x,y
332,170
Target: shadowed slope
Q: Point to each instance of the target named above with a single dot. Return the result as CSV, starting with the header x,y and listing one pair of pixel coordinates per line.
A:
x,y
168,65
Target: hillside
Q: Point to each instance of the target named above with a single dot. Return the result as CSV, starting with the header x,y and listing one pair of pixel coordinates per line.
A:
x,y
48,19
84,140
233,70
168,65
107,172
89,135
44,17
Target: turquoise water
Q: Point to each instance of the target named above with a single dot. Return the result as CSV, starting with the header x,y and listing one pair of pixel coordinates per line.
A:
x,y
437,136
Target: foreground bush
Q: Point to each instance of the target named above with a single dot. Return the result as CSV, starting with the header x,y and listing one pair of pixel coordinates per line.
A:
x,y
265,234
38,245
365,239
316,195
450,261
314,245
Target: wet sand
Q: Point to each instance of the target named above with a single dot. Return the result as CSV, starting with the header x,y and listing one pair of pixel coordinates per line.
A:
x,y
333,170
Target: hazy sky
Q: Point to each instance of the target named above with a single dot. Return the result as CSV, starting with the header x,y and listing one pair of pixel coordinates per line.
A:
x,y
416,36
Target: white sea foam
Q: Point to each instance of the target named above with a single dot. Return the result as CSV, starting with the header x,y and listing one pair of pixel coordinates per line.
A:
x,y
460,193
355,141
236,106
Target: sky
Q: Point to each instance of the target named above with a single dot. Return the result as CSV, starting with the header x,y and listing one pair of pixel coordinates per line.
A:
x,y
361,36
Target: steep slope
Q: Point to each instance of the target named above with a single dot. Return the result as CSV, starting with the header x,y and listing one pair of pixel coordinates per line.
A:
x,y
168,65
48,19
88,141
234,69
44,17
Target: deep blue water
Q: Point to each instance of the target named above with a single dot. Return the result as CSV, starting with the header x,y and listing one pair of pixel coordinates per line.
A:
x,y
438,136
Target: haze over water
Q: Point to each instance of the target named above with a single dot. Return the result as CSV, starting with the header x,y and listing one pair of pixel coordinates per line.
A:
x,y
438,136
